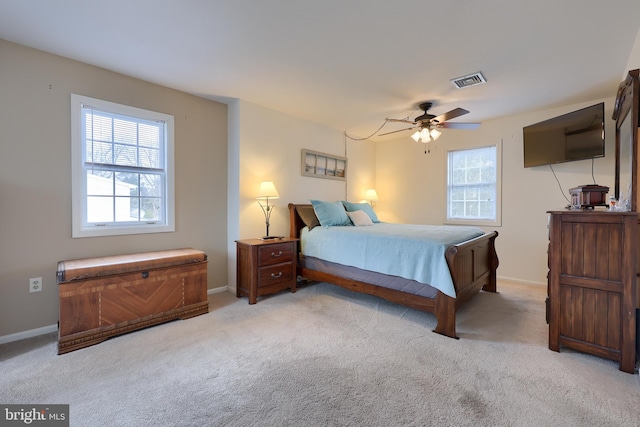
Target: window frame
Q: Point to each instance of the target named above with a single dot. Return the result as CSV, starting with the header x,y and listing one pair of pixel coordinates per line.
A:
x,y
498,202
80,226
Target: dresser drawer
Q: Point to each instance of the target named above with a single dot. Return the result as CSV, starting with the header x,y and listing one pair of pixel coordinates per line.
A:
x,y
275,254
279,273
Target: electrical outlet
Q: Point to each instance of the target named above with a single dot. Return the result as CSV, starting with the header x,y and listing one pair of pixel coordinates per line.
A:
x,y
35,284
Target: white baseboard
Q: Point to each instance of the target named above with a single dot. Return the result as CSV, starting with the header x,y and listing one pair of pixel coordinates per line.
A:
x,y
520,281
54,328
28,334
220,289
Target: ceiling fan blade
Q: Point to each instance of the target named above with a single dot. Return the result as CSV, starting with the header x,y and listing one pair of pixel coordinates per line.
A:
x,y
454,125
401,121
396,131
457,112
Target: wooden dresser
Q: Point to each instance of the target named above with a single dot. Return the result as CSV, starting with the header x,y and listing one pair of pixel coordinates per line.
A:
x,y
265,266
592,283
107,296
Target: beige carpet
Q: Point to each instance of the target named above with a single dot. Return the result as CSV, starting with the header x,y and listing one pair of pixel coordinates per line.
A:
x,y
327,357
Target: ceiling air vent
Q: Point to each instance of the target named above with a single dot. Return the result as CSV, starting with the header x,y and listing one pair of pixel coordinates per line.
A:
x,y
470,80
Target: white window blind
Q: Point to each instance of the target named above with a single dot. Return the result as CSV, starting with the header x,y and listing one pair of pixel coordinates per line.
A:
x,y
125,173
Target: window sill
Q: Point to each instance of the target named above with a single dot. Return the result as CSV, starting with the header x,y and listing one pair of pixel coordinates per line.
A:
x,y
120,230
474,222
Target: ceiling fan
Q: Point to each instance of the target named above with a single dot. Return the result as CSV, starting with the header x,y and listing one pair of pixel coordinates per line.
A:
x,y
427,125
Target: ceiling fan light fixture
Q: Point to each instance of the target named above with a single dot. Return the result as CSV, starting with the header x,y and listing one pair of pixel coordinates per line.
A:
x,y
427,124
426,135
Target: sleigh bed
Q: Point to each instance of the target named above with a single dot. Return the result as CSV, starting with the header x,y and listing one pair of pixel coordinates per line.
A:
x,y
472,266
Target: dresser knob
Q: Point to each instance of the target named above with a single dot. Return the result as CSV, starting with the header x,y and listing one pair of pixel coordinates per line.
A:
x,y
276,276
276,255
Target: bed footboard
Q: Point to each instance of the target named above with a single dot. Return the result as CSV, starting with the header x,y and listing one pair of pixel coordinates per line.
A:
x,y
473,266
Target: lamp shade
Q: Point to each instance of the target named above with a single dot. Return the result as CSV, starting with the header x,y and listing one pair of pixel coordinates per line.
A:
x,y
267,191
371,195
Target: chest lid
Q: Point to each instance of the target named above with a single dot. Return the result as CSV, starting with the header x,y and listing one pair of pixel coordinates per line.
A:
x,y
82,269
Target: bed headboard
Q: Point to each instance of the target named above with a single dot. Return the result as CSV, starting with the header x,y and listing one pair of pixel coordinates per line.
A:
x,y
295,222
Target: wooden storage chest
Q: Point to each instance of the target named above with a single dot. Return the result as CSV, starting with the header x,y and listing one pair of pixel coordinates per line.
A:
x,y
103,297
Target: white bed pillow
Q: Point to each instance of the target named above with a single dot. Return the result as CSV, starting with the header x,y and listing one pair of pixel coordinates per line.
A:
x,y
359,218
350,207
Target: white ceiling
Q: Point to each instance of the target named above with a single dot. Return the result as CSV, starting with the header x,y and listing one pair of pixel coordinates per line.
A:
x,y
347,64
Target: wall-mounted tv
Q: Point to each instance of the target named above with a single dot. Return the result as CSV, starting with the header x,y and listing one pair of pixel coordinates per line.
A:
x,y
577,135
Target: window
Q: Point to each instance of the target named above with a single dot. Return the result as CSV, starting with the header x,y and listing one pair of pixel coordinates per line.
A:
x,y
122,169
473,194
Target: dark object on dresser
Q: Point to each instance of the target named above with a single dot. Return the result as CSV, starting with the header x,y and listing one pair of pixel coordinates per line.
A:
x,y
592,284
472,265
265,266
588,196
107,296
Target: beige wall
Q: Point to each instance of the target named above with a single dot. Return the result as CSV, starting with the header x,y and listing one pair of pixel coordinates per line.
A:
x,y
271,146
266,145
412,185
634,57
35,177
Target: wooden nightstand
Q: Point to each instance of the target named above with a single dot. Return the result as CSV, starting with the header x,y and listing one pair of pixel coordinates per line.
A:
x,y
265,266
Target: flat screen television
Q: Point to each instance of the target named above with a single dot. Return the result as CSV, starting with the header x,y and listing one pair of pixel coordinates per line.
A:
x,y
573,136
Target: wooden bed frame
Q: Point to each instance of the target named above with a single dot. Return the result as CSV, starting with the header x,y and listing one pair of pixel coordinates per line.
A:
x,y
472,264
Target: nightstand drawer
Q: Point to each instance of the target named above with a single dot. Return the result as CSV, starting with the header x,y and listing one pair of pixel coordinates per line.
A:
x,y
275,254
280,273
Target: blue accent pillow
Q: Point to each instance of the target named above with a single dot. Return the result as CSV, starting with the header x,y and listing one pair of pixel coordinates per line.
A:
x,y
350,207
330,213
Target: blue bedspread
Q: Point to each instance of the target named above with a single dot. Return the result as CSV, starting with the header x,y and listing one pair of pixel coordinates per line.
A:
x,y
411,251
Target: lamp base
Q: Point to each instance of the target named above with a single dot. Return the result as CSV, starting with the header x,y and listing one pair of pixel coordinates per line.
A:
x,y
271,237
